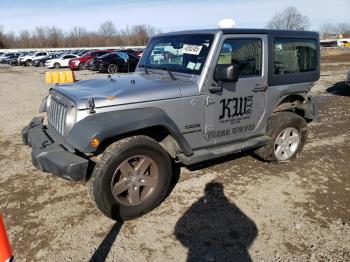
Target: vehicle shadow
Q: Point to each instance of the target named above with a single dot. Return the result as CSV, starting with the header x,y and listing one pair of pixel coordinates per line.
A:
x,y
104,248
340,89
215,229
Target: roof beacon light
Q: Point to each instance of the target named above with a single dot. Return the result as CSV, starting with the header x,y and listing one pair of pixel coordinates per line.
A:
x,y
227,24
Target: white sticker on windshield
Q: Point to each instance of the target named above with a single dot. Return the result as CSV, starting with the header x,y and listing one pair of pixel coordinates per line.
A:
x,y
191,65
192,49
198,65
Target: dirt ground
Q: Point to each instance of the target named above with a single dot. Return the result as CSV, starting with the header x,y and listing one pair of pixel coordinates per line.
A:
x,y
232,209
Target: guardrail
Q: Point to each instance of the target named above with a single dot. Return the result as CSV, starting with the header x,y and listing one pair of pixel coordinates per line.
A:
x,y
69,48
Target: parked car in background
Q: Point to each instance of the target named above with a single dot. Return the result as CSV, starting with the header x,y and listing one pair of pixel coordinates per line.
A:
x,y
115,62
79,62
8,58
27,59
41,62
61,61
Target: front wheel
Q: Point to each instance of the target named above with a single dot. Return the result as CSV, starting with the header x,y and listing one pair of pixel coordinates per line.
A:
x,y
131,178
56,65
288,132
112,68
81,66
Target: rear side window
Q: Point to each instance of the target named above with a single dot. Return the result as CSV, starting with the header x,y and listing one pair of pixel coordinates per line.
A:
x,y
294,56
244,52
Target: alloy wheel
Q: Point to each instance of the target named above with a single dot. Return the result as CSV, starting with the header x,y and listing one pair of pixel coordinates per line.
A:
x,y
287,143
134,180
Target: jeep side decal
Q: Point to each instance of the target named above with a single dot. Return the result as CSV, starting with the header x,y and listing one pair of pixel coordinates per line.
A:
x,y
230,131
237,106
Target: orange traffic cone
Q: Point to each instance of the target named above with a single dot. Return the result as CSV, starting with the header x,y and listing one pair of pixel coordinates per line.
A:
x,y
5,248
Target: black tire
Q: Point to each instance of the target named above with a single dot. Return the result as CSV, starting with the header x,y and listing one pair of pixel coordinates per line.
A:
x,y
41,64
56,65
81,66
112,69
28,63
100,183
276,124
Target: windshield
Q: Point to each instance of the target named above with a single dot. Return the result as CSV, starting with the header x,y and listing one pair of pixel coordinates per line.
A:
x,y
179,53
123,55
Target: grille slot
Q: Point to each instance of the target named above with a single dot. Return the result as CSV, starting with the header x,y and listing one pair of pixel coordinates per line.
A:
x,y
57,113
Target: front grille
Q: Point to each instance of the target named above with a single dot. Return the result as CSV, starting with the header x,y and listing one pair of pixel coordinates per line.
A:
x,y
56,114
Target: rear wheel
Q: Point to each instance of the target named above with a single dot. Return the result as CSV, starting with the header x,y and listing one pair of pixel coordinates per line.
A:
x,y
132,177
288,132
112,68
42,64
56,65
28,63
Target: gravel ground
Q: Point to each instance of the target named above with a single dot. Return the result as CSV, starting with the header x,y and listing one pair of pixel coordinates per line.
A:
x,y
233,209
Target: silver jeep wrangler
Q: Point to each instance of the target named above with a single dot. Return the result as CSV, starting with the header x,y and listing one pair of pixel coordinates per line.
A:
x,y
195,96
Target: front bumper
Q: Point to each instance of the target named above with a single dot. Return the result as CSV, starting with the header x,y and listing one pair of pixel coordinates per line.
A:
x,y
52,156
73,65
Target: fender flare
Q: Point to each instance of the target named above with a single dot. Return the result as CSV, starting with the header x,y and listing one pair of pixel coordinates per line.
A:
x,y
308,106
112,124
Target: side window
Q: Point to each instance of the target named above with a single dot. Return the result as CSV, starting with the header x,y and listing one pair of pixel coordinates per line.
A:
x,y
247,53
294,56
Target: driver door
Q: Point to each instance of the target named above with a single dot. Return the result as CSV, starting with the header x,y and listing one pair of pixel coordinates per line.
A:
x,y
235,110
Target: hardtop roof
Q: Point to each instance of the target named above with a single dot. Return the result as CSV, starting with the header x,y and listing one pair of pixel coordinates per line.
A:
x,y
281,33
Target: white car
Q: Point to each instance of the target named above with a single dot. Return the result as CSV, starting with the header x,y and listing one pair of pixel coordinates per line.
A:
x,y
347,78
27,59
61,61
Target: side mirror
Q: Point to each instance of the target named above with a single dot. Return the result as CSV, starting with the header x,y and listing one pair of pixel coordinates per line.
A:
x,y
226,73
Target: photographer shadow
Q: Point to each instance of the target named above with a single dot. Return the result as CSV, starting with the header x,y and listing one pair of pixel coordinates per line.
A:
x,y
214,229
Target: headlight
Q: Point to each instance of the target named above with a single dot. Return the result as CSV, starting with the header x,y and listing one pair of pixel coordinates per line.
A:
x,y
70,118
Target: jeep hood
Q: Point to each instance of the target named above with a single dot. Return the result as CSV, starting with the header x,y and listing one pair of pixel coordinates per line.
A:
x,y
124,89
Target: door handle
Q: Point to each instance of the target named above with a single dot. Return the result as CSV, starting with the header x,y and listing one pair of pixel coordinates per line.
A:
x,y
258,89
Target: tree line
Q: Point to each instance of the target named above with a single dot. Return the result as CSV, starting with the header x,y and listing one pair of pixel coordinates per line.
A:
x,y
54,37
108,35
291,19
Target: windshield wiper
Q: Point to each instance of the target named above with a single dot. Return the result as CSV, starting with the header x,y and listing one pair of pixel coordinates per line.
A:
x,y
169,72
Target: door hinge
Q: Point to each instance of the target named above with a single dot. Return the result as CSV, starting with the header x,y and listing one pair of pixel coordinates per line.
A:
x,y
208,128
210,100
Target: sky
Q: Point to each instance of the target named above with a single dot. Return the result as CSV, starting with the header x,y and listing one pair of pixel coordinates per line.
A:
x,y
165,15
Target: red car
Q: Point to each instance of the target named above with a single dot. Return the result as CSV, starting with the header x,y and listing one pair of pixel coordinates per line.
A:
x,y
78,63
